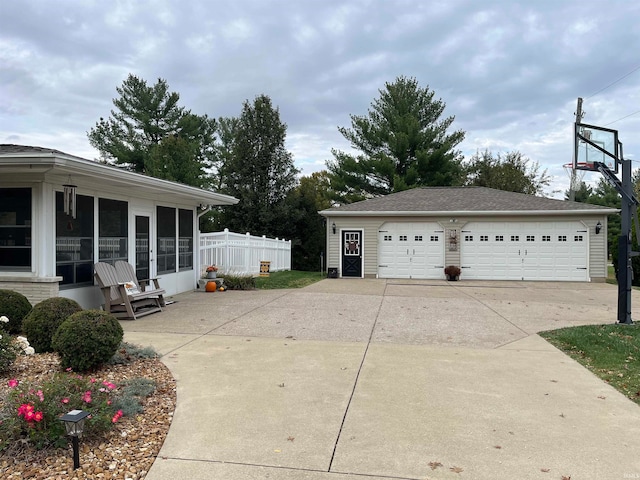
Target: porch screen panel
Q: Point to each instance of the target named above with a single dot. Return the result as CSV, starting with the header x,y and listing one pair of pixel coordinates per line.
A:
x,y
185,239
113,230
166,249
74,242
15,229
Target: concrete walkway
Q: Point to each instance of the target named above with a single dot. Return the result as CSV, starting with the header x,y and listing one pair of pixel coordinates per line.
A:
x,y
375,379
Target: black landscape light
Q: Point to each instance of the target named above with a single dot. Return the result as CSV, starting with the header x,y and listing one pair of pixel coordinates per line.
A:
x,y
74,424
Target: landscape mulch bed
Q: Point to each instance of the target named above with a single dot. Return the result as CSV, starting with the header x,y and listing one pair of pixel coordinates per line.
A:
x,y
125,452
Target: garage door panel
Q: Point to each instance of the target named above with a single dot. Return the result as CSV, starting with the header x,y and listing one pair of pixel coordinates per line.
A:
x,y
410,250
525,251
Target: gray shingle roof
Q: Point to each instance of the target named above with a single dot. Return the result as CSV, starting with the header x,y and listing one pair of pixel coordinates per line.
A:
x,y
462,199
7,148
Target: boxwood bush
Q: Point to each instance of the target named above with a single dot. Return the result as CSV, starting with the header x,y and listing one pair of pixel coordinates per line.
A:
x,y
15,307
45,318
87,339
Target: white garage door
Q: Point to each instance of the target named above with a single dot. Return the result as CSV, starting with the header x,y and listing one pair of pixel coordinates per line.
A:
x,y
410,250
524,251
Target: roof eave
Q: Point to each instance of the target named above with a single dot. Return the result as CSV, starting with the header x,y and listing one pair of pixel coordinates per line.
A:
x,y
466,213
75,165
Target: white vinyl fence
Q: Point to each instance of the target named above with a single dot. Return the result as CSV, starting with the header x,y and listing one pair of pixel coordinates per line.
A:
x,y
242,254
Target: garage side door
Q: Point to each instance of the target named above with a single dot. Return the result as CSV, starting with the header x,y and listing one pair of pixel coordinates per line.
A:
x,y
525,251
410,250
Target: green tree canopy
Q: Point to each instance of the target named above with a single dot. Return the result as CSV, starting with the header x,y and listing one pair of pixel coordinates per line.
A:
x,y
306,200
259,171
512,172
403,143
148,132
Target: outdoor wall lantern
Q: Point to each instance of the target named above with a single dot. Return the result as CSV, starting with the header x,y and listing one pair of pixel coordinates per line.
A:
x,y
74,424
333,227
598,228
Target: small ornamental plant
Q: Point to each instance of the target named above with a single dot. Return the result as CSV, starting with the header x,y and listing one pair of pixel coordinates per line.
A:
x,y
31,412
452,271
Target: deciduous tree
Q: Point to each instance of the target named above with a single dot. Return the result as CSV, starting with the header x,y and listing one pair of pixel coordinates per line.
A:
x,y
512,172
260,172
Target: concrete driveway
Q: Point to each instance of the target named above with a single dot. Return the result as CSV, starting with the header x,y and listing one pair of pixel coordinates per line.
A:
x,y
382,379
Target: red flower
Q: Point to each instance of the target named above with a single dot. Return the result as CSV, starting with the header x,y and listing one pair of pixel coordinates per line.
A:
x,y
117,416
13,383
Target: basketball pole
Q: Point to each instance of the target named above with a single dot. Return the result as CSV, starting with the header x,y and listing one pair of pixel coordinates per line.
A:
x,y
625,269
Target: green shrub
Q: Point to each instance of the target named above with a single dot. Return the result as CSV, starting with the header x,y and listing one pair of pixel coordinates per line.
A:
x,y
8,351
45,318
87,339
30,411
239,282
15,307
131,395
127,353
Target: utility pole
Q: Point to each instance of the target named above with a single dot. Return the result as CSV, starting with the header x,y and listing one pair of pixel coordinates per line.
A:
x,y
572,182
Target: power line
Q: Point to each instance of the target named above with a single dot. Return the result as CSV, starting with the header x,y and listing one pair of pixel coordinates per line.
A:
x,y
613,83
626,116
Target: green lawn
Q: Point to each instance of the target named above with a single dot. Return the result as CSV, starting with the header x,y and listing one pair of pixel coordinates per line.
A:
x,y
288,279
612,352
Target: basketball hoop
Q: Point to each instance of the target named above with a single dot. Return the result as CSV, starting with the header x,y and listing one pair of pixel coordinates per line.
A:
x,y
576,173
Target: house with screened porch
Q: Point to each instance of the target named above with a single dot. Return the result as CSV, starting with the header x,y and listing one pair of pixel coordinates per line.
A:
x,y
60,214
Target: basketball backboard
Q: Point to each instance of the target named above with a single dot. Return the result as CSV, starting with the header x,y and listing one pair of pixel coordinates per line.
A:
x,y
595,145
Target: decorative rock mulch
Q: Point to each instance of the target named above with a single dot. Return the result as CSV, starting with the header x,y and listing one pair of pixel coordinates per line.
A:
x,y
125,452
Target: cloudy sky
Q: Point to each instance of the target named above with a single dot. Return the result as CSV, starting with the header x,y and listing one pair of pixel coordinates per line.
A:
x,y
509,71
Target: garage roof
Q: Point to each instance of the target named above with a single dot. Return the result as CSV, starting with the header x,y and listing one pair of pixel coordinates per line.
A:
x,y
464,200
28,160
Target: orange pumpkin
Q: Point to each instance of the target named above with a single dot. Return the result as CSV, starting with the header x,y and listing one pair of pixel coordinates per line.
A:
x,y
210,287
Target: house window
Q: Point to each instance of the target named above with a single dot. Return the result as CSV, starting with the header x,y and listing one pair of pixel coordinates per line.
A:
x,y
15,229
388,238
74,242
531,238
112,230
499,238
417,238
562,238
515,238
577,238
484,238
468,238
166,250
185,240
433,238
546,238
403,238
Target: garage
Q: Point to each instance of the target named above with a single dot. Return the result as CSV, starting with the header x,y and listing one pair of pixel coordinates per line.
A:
x,y
410,250
490,234
525,251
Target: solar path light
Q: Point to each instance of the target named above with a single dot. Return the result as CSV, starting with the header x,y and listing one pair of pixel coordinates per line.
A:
x,y
74,424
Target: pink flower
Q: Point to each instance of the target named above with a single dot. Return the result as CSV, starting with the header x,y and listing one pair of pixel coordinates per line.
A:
x,y
93,380
87,396
38,416
117,416
13,383
25,409
69,369
109,385
65,400
40,395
